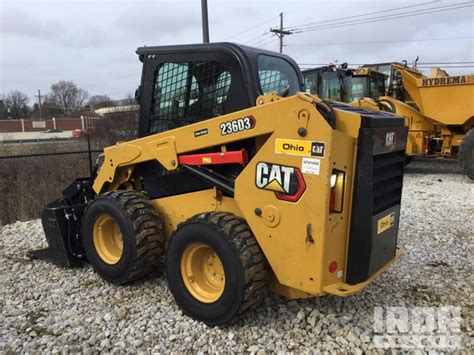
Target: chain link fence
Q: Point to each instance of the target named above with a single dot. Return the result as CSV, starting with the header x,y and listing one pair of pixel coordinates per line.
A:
x,y
34,174
29,182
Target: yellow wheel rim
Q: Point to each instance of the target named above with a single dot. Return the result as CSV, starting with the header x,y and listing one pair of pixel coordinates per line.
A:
x,y
107,239
202,272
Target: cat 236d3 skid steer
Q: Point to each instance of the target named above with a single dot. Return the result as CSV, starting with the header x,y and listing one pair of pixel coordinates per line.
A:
x,y
243,181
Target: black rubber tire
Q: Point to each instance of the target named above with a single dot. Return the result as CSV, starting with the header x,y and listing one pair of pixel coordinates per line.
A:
x,y
245,266
465,154
142,234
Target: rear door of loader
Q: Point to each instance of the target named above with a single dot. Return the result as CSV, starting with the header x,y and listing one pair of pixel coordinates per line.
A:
x,y
377,195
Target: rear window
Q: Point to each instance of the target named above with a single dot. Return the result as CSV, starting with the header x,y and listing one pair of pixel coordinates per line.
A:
x,y
276,74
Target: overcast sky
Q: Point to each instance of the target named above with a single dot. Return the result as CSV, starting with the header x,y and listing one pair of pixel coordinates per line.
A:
x,y
93,42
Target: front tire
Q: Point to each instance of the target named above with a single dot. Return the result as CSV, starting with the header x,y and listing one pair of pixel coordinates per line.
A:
x,y
466,154
122,236
216,270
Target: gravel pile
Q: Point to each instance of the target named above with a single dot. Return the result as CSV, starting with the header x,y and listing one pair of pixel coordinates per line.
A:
x,y
46,308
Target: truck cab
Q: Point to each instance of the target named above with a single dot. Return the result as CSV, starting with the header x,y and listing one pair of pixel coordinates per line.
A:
x,y
343,84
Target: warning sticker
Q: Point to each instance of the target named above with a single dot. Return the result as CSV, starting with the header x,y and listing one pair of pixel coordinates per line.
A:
x,y
310,166
385,223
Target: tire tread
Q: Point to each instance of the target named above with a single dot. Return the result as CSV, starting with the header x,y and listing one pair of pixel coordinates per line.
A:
x,y
254,264
148,229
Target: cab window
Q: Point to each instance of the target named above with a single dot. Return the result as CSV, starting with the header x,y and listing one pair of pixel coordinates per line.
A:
x,y
331,84
185,93
311,83
276,74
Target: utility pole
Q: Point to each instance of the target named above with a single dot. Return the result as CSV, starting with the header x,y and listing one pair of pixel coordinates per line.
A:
x,y
205,22
280,32
39,102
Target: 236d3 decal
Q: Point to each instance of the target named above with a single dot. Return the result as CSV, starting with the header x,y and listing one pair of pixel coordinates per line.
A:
x,y
286,181
238,125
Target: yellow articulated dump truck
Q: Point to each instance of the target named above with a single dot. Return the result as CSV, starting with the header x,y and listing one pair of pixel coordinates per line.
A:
x,y
242,181
439,111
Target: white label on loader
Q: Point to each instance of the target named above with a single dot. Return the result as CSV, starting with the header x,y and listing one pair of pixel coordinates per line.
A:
x,y
310,166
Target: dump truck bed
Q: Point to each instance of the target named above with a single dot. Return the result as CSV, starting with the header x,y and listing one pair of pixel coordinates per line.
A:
x,y
448,100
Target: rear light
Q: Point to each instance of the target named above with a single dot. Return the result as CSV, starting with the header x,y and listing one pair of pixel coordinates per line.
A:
x,y
333,266
336,182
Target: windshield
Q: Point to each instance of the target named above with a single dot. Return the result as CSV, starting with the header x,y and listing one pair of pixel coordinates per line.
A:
x,y
331,86
357,88
386,69
276,74
311,83
376,86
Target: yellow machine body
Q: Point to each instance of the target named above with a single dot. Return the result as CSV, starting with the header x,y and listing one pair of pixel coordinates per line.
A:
x,y
241,181
300,240
445,99
438,108
421,128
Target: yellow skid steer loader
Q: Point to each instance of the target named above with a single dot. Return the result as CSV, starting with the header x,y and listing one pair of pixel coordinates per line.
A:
x,y
243,181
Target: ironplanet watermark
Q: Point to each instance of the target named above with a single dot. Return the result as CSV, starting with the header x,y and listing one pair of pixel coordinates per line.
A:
x,y
426,328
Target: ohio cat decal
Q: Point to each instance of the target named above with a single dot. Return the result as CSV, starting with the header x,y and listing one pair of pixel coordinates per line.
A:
x,y
299,147
286,181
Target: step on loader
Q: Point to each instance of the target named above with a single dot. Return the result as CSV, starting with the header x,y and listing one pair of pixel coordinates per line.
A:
x,y
243,181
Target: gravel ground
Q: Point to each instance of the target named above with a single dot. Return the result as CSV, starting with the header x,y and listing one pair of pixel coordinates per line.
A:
x,y
46,308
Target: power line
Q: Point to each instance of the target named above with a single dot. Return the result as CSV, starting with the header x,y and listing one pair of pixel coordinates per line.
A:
x,y
333,22
390,17
448,67
420,63
253,39
251,28
266,40
447,63
374,42
366,14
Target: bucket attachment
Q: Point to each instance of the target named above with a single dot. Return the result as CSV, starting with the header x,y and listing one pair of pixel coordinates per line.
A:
x,y
62,228
62,225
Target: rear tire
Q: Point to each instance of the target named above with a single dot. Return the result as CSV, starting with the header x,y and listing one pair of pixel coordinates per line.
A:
x,y
191,271
466,154
122,236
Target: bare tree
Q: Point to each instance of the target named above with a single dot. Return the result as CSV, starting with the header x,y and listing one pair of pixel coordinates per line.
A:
x,y
67,96
118,126
129,100
16,104
99,101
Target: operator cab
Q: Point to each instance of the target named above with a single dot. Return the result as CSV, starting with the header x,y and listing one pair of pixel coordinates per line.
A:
x,y
344,85
185,84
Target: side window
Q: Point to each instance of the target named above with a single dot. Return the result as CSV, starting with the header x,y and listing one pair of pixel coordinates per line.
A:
x,y
331,86
223,85
276,74
311,83
185,93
